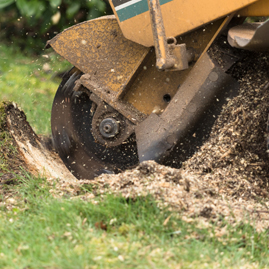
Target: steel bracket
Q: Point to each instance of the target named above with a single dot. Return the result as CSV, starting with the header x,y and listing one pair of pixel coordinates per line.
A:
x,y
168,56
157,135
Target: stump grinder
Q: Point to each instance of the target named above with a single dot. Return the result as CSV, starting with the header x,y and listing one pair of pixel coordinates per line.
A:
x,y
145,76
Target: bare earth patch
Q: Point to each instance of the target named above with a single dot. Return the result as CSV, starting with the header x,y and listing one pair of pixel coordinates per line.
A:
x,y
227,178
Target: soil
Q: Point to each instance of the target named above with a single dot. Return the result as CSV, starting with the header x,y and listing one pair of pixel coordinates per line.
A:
x,y
226,178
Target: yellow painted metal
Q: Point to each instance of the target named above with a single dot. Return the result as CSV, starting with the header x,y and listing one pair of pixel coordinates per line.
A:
x,y
179,16
119,69
150,86
260,8
99,49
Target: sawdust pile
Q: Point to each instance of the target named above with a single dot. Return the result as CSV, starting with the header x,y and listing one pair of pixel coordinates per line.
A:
x,y
235,154
226,178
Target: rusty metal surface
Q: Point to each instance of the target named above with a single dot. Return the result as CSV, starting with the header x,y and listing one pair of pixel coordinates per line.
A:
x,y
157,135
179,16
250,36
98,48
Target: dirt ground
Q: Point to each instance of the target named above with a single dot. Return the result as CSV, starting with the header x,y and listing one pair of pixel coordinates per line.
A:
x,y
226,178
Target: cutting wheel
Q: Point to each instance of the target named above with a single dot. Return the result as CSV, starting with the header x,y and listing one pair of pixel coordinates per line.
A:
x,y
73,134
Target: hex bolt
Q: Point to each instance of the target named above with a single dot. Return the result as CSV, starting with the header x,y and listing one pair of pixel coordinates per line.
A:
x,y
108,128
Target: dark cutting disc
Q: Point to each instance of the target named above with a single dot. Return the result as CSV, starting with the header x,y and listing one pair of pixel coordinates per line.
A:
x,y
71,124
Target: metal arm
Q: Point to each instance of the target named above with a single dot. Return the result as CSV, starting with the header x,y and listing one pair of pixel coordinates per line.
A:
x,y
167,56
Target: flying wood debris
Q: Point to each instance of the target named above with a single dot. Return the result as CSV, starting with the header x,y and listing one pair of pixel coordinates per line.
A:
x,y
227,177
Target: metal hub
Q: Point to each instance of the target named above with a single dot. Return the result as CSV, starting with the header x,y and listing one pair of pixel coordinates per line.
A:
x,y
109,128
78,125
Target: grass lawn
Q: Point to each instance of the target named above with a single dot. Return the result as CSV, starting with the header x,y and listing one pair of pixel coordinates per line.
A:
x,y
38,230
31,82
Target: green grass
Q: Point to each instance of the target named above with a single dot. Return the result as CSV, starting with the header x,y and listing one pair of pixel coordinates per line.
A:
x,y
23,80
40,231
